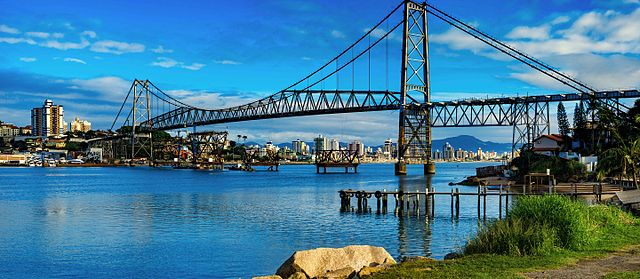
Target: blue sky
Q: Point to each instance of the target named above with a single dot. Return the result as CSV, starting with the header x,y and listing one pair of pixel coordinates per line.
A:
x,y
85,54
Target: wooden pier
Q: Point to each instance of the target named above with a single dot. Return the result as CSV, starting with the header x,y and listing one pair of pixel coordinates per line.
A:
x,y
347,159
405,202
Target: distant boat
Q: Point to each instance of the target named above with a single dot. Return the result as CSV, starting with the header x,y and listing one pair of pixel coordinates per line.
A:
x,y
76,161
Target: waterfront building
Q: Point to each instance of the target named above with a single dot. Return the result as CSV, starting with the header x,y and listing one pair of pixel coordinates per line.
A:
x,y
9,130
78,125
334,144
357,146
296,146
479,155
320,143
388,149
460,154
448,152
48,120
437,155
25,131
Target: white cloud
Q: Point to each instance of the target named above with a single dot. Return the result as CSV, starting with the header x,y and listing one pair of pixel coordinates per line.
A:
x,y
532,33
74,60
458,40
28,59
41,35
194,66
632,1
115,47
65,45
89,33
337,34
7,29
227,62
57,35
165,62
161,49
306,58
603,73
560,20
112,89
17,41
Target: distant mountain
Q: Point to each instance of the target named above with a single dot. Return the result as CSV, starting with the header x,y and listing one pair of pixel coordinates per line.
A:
x,y
467,142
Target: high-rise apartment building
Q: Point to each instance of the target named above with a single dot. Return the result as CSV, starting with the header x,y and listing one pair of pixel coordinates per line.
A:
x,y
48,120
320,143
357,146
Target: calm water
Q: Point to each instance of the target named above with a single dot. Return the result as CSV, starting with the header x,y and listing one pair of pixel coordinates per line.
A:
x,y
159,223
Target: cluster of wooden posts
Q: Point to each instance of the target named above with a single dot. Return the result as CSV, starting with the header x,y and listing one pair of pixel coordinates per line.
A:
x,y
413,202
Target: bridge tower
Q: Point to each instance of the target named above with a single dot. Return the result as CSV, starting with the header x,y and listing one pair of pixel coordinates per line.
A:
x,y
141,126
414,129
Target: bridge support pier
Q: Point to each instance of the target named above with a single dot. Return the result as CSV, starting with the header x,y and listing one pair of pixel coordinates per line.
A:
x,y
400,168
429,168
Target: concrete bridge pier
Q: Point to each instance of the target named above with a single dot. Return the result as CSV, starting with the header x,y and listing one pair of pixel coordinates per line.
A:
x,y
430,168
400,168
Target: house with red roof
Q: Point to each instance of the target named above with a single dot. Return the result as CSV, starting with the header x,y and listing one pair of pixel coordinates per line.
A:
x,y
549,145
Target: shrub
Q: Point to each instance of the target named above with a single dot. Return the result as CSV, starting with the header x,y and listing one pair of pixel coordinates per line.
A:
x,y
515,237
568,218
538,225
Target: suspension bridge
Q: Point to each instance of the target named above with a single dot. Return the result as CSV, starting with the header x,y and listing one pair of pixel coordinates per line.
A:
x,y
147,108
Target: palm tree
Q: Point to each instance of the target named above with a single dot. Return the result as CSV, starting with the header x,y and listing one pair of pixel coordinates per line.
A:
x,y
623,158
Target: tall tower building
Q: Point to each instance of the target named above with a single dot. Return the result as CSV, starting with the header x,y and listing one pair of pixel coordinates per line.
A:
x,y
48,120
321,143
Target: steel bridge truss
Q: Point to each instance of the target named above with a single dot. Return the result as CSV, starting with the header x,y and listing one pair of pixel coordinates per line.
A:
x,y
252,158
207,148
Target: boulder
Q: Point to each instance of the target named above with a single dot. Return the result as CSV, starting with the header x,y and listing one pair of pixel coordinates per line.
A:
x,y
343,273
317,262
267,277
298,275
452,255
370,270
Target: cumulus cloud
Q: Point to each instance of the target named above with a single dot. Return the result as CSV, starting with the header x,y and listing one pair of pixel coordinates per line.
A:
x,y
28,59
9,30
74,60
161,49
532,33
227,62
194,66
17,41
41,35
89,34
166,62
65,45
116,47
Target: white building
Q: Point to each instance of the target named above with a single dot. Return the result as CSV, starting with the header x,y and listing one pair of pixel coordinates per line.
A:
x,y
320,143
78,125
48,120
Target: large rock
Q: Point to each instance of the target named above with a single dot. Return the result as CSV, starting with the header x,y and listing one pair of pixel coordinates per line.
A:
x,y
318,262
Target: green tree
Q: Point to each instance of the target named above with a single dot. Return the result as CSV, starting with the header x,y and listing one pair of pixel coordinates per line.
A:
x,y
622,159
563,121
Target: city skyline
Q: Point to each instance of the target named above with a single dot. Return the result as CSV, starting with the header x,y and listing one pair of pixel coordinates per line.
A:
x,y
82,62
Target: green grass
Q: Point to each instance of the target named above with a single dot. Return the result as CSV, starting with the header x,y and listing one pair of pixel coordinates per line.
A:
x,y
542,232
623,275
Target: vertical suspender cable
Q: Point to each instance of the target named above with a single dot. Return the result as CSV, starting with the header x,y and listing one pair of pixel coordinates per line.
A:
x,y
369,53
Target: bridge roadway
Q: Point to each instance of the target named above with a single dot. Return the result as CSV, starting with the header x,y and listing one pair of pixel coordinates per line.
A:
x,y
505,111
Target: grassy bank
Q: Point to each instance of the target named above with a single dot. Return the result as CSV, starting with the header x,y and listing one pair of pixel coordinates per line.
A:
x,y
541,233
